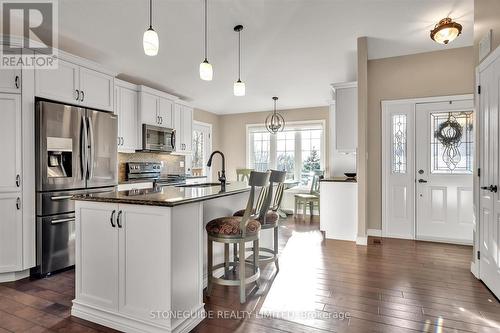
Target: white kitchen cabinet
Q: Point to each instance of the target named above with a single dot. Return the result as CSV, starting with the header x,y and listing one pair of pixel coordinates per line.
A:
x,y
11,232
10,142
10,79
119,271
139,260
74,84
96,89
97,257
346,117
59,84
165,112
126,104
183,124
148,109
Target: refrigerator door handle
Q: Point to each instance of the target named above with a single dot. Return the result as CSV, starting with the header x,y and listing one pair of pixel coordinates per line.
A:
x,y
83,147
91,149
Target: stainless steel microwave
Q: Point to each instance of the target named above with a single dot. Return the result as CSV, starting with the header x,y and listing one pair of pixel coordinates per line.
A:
x,y
158,139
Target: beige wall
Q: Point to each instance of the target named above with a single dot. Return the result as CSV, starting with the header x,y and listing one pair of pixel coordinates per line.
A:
x,y
420,75
362,152
486,16
214,120
233,132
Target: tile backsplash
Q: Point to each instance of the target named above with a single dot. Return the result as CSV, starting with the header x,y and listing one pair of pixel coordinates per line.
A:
x,y
170,164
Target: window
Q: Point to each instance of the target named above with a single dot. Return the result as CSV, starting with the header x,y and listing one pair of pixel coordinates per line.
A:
x,y
398,143
299,149
198,154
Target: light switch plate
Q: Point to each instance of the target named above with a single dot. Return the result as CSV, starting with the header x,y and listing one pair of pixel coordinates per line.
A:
x,y
485,45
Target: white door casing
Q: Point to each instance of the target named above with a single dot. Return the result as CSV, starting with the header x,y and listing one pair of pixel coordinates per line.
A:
x,y
444,194
489,163
398,188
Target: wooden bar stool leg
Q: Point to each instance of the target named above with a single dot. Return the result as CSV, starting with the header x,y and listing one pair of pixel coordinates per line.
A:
x,y
256,260
241,267
209,267
311,207
276,249
235,252
226,260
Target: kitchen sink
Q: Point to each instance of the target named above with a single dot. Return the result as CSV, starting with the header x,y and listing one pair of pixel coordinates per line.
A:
x,y
200,185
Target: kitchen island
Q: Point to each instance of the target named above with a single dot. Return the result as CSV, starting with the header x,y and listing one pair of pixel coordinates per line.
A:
x,y
140,255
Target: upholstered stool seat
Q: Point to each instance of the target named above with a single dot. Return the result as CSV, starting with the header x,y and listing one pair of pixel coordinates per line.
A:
x,y
230,226
271,219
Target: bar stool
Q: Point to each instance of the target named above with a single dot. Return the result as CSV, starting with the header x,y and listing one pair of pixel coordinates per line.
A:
x,y
271,218
238,231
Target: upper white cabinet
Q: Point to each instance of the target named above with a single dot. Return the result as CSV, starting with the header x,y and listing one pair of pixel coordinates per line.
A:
x,y
126,104
346,116
183,124
74,84
10,80
10,142
155,107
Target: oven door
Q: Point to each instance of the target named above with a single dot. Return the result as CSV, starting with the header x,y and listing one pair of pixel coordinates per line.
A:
x,y
156,138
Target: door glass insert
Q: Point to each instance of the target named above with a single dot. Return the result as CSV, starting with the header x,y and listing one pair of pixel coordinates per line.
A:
x,y
399,143
198,164
452,140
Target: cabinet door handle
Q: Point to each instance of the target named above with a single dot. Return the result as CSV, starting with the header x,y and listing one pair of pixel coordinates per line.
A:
x,y
16,81
158,120
112,218
18,180
118,221
62,197
123,141
83,96
18,203
77,94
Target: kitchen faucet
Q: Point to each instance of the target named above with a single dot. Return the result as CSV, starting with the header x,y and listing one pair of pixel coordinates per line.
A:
x,y
221,174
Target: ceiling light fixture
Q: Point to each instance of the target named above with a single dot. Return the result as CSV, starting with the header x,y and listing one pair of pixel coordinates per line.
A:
x,y
446,31
275,122
239,86
150,40
206,70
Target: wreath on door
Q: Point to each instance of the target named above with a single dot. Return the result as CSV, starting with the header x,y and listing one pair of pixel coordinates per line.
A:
x,y
449,133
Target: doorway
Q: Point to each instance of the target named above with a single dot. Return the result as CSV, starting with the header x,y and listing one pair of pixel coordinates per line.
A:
x,y
427,171
202,147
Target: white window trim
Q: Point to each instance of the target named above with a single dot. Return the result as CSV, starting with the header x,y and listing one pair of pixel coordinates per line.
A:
x,y
272,161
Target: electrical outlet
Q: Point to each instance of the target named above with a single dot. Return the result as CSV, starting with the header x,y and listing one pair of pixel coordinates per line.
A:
x,y
181,164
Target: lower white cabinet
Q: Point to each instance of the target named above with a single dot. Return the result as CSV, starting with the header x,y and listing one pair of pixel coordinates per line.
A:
x,y
126,269
11,232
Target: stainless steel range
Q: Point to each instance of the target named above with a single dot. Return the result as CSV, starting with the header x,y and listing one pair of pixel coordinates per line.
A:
x,y
151,171
76,152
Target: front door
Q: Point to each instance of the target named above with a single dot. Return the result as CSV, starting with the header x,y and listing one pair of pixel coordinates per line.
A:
x,y
489,197
444,140
202,148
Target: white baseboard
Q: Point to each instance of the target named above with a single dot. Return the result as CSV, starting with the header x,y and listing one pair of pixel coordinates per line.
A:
x,y
362,240
374,232
14,276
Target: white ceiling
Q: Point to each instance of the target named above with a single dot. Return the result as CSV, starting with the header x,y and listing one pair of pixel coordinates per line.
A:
x,y
290,48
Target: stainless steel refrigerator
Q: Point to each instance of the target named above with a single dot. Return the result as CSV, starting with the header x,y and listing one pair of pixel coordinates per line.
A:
x,y
76,152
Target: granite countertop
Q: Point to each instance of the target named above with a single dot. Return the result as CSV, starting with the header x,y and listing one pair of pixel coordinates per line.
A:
x,y
339,180
168,196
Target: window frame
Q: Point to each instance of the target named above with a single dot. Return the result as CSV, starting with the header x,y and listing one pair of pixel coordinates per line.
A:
x,y
321,123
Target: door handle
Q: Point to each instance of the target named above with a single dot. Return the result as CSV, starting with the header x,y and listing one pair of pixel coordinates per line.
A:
x,y
62,220
16,81
83,147
77,94
83,96
118,222
18,203
92,149
62,197
491,188
112,218
18,180
422,181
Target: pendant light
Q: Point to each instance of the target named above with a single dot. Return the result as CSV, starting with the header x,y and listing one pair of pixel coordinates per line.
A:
x,y
239,86
206,70
275,122
150,40
446,31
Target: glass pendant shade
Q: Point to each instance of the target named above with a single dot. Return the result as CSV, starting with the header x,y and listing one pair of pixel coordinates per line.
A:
x,y
446,31
239,88
206,71
150,42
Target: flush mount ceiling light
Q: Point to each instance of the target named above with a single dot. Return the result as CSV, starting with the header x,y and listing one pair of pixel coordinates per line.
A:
x,y
275,122
239,86
206,70
446,31
150,40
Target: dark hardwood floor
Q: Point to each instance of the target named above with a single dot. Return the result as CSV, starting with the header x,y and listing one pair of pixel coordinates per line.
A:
x,y
389,286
